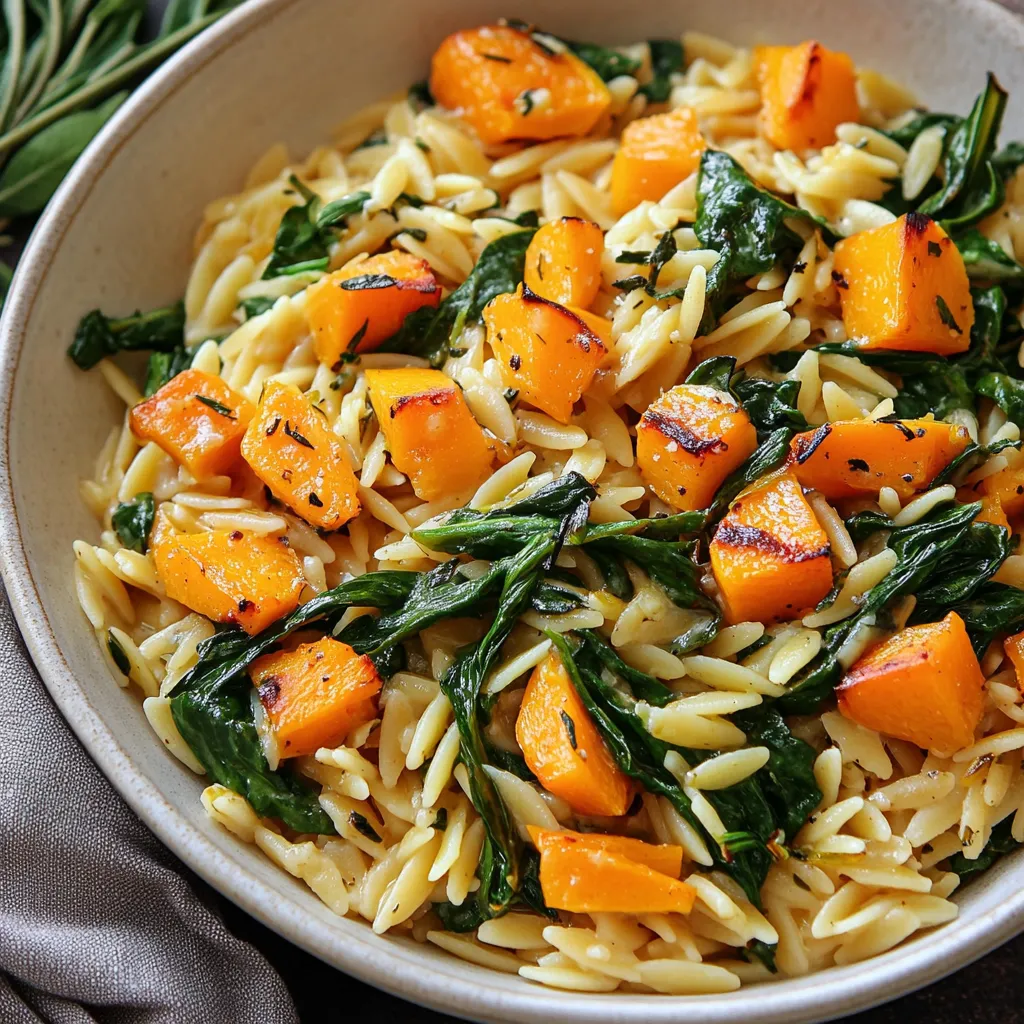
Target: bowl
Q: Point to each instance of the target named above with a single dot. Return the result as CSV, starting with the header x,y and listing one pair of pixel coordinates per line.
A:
x,y
118,235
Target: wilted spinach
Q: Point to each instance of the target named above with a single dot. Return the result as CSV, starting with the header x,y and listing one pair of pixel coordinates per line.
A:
x,y
666,60
133,521
99,336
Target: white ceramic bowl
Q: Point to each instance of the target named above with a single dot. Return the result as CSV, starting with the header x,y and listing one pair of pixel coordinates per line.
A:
x,y
118,235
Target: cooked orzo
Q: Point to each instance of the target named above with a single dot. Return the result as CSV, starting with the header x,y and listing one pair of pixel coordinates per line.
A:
x,y
571,517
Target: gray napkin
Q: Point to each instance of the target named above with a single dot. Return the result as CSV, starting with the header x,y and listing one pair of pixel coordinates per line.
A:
x,y
98,922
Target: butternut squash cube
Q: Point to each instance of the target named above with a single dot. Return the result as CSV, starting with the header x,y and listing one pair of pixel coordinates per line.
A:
x,y
582,876
807,91
362,304
197,419
655,154
563,261
545,352
904,286
316,695
600,325
1014,648
508,86
689,440
848,458
249,579
991,507
290,448
665,858
923,685
429,431
769,555
1008,487
563,747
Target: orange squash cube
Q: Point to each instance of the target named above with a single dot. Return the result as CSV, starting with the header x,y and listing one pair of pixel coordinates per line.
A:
x,y
545,352
563,748
1014,648
197,419
923,685
290,448
429,431
655,154
1008,487
689,440
848,458
600,325
316,695
769,555
807,91
362,304
563,261
991,507
508,86
582,876
904,286
663,857
249,579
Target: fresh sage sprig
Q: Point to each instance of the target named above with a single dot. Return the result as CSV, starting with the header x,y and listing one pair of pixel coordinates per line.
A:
x,y
66,67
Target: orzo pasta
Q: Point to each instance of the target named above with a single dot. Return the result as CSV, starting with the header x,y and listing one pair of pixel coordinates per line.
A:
x,y
571,517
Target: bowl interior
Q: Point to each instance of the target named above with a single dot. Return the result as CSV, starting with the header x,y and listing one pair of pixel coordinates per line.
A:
x,y
119,236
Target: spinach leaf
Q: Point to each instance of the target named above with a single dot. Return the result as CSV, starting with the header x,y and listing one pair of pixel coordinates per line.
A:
x,y
257,305
666,60
1005,391
500,870
607,63
992,609
921,552
133,521
162,366
430,333
971,187
298,240
99,336
744,223
987,260
906,133
1000,842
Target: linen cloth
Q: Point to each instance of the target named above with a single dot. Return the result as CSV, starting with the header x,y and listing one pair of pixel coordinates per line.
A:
x,y
98,921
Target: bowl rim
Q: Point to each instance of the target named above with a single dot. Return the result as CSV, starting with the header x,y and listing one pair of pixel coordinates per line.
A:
x,y
395,965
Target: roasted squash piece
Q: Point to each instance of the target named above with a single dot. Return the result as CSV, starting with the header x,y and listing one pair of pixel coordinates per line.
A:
x,y
197,419
582,876
654,155
291,450
1014,648
991,507
904,286
1008,487
429,431
689,440
600,325
856,457
564,749
664,857
563,261
806,92
923,685
316,695
769,555
509,86
545,352
363,304
249,579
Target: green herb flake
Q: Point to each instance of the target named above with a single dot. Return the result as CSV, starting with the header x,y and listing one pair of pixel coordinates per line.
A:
x,y
216,406
946,316
296,436
363,827
570,727
117,652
